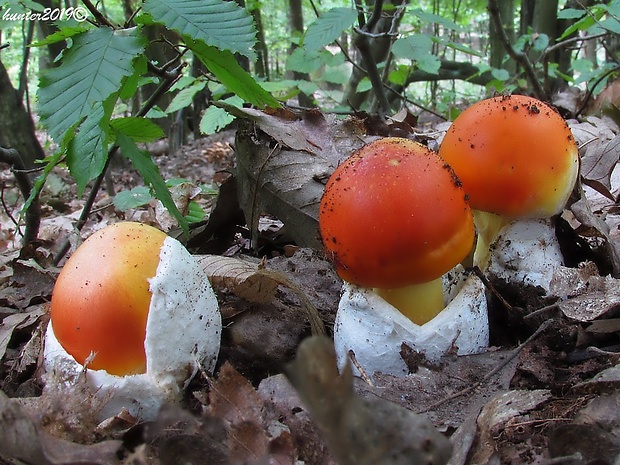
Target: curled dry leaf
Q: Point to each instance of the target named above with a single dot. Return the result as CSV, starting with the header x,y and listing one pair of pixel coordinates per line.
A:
x,y
360,431
585,295
254,283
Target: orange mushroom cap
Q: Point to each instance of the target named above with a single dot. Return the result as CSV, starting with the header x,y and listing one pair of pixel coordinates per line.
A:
x,y
101,298
394,214
515,155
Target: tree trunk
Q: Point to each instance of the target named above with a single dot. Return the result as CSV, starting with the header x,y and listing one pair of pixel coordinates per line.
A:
x,y
296,24
498,58
380,49
16,127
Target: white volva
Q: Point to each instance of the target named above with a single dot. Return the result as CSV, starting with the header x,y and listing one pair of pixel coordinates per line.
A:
x,y
183,334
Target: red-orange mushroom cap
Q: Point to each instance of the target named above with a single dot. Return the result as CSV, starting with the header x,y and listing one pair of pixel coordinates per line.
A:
x,y
395,214
515,156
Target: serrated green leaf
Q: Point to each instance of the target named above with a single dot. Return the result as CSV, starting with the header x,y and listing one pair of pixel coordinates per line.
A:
x,y
328,27
137,128
134,198
185,96
62,34
149,171
224,66
90,72
214,119
219,23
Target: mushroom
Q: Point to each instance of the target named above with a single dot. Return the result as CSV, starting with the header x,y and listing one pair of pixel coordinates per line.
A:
x,y
394,219
516,158
133,308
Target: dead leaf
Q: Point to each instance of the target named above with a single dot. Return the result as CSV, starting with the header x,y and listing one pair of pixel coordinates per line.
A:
x,y
360,431
240,277
283,165
585,296
255,284
12,322
21,439
598,163
499,414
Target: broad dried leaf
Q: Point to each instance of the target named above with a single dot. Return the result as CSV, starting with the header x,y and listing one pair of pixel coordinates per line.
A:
x,y
255,284
497,416
282,168
598,163
239,277
234,399
22,440
360,431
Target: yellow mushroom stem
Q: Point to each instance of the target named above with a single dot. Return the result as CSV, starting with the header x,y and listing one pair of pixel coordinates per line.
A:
x,y
488,226
418,302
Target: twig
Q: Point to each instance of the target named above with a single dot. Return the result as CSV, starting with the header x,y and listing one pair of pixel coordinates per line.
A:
x,y
33,213
101,19
2,46
515,352
519,57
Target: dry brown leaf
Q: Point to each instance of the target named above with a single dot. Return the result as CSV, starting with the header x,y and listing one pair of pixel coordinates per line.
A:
x,y
21,439
240,277
360,431
254,283
598,163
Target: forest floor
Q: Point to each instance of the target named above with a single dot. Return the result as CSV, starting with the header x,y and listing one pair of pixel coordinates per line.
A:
x,y
547,391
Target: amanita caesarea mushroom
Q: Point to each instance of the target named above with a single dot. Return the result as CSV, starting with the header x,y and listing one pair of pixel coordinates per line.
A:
x,y
517,159
394,219
134,310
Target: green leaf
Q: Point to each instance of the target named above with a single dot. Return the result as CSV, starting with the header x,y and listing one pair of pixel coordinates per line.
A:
x,y
305,61
137,128
149,171
418,48
62,34
500,74
571,13
218,23
185,96
214,119
436,19
328,27
195,212
87,152
134,198
90,72
224,66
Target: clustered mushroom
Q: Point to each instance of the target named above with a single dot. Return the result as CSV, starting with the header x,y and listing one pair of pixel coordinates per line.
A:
x,y
509,157
133,308
516,158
